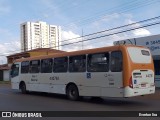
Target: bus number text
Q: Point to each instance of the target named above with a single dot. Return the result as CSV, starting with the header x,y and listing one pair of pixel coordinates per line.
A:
x,y
54,78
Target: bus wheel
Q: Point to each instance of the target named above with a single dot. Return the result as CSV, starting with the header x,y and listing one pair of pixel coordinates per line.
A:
x,y
23,88
72,92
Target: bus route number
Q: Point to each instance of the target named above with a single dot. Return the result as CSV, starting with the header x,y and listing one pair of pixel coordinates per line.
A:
x,y
54,78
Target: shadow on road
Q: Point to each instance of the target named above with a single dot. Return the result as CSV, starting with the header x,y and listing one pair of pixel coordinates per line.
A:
x,y
93,100
116,102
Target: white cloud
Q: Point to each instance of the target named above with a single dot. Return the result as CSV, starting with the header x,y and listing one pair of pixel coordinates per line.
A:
x,y
68,37
71,37
110,21
7,49
139,32
113,21
97,26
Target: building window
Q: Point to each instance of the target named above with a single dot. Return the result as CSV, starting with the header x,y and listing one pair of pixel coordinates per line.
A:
x,y
77,63
98,62
60,64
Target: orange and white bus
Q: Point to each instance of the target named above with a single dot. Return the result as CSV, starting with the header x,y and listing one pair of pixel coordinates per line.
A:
x,y
116,71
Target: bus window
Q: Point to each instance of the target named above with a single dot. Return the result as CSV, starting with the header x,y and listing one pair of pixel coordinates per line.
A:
x,y
77,63
14,70
60,64
35,66
116,61
46,66
98,62
25,67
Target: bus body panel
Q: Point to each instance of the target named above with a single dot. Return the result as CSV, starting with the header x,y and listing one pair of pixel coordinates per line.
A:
x,y
129,92
139,72
142,83
142,79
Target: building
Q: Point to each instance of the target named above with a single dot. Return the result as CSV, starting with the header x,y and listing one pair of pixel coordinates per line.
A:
x,y
5,68
4,72
31,53
153,43
39,35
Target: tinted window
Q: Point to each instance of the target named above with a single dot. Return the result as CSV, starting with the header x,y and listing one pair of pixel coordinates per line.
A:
x,y
60,64
35,66
98,62
116,61
25,67
156,67
77,63
46,66
14,70
145,52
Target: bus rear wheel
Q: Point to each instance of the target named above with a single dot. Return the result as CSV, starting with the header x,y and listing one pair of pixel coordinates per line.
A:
x,y
72,92
23,88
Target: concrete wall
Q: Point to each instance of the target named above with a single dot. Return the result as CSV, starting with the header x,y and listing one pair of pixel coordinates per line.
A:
x,y
6,75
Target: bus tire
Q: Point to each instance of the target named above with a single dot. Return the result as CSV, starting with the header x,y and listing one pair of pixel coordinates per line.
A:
x,y
72,92
23,88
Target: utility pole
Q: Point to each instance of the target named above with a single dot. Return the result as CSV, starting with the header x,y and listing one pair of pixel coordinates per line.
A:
x,y
82,38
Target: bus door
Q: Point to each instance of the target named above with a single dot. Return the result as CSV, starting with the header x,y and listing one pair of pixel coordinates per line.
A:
x,y
115,75
14,74
98,68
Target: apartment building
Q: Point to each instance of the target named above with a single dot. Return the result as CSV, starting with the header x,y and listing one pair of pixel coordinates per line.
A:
x,y
39,35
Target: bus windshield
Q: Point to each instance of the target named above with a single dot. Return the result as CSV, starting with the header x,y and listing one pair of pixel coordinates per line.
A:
x,y
143,54
15,70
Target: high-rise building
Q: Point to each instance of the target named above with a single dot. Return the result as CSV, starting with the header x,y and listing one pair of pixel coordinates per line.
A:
x,y
39,35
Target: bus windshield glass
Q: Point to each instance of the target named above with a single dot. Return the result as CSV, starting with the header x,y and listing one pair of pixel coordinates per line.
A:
x,y
14,70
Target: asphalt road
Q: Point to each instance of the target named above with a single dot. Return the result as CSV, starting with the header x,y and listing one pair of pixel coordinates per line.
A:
x,y
13,100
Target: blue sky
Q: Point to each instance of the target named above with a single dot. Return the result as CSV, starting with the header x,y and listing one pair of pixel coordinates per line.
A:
x,y
74,16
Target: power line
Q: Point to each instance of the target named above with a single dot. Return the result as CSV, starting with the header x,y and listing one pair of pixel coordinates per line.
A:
x,y
99,13
104,35
113,33
84,40
150,19
120,11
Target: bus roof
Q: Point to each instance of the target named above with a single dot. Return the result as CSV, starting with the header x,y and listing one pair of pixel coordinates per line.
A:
x,y
80,52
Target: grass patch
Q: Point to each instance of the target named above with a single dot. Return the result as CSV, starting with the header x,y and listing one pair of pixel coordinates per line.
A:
x,y
5,82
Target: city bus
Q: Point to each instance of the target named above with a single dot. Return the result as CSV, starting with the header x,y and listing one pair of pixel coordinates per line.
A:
x,y
152,42
115,71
